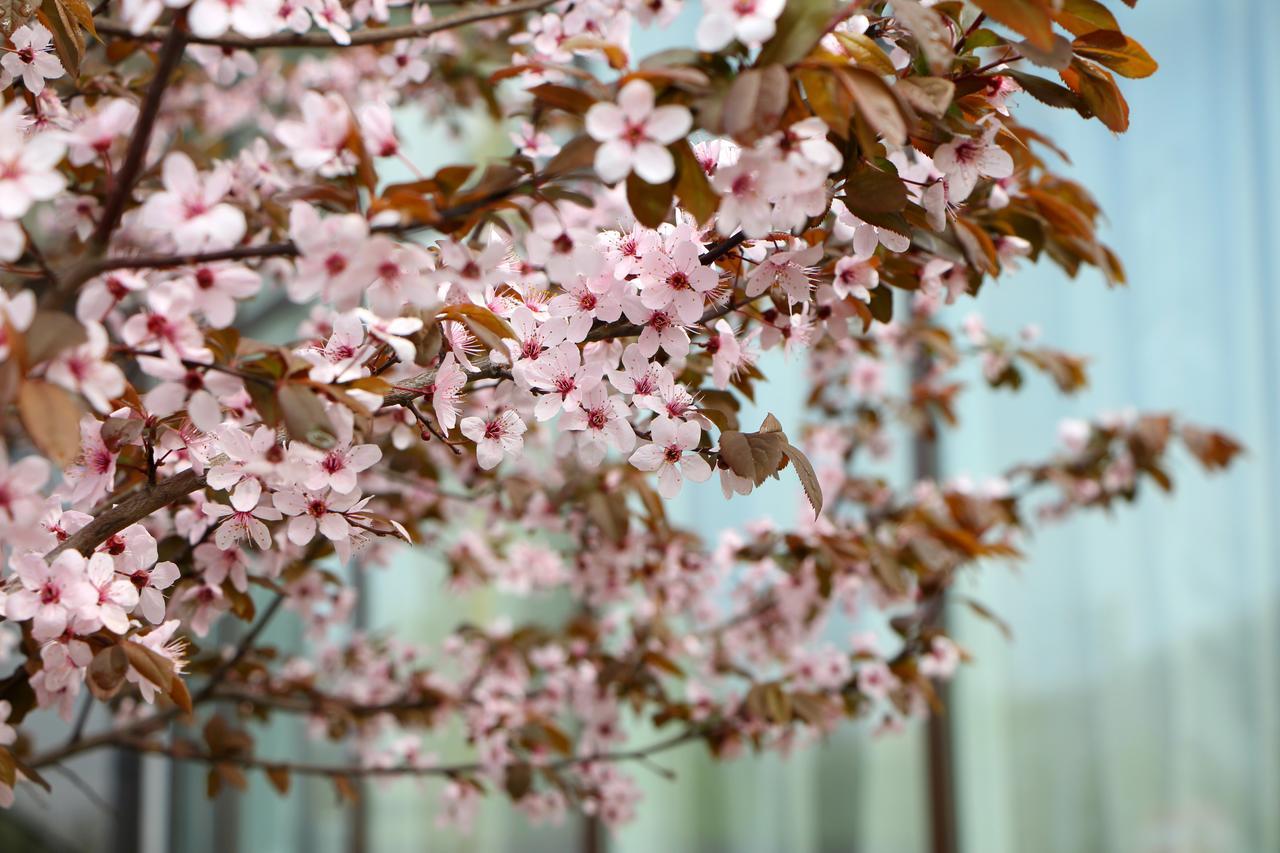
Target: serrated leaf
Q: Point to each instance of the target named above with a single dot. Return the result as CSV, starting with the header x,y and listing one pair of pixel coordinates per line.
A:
x,y
870,191
1098,89
754,455
755,102
107,671
154,667
808,477
1049,93
1084,16
574,101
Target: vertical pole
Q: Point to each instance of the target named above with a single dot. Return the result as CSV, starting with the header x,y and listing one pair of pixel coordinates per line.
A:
x,y
939,767
358,827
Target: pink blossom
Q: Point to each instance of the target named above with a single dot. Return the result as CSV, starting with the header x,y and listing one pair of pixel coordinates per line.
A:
x,y
32,58
191,209
242,520
634,135
51,594
495,436
751,22
28,165
669,455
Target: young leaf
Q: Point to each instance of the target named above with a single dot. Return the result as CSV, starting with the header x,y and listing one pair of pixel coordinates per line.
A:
x,y
1117,51
1026,17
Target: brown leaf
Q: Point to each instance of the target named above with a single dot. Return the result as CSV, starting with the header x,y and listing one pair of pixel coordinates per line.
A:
x,y
692,187
51,417
65,19
1117,51
877,104
800,26
565,98
154,667
650,203
279,778
1026,17
304,415
107,671
1085,16
50,333
929,95
754,455
577,153
755,102
930,31
15,13
865,53
1099,90
808,477
869,191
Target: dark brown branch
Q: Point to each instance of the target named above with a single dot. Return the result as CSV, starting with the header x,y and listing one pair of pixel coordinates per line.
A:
x,y
129,510
167,63
365,36
183,753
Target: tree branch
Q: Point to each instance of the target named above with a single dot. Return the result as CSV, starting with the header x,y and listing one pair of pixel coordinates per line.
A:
x,y
189,753
365,36
134,158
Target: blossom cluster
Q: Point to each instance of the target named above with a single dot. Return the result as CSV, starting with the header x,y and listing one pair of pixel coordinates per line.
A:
x,y
251,330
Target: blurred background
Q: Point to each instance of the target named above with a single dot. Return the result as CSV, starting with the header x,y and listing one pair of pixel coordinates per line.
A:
x,y
1137,705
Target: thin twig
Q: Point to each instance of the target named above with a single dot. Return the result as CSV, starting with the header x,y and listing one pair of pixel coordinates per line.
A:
x,y
365,36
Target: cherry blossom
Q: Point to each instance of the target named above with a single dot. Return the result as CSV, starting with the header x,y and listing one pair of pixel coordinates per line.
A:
x,y
496,436
27,165
191,208
51,594
669,454
751,22
633,135
964,161
32,58
243,519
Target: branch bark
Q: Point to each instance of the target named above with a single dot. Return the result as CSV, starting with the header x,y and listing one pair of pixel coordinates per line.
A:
x,y
359,38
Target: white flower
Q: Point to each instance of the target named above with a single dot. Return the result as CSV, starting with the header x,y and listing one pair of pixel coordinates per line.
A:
x,y
191,209
751,22
32,58
28,170
495,437
667,456
633,135
964,160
